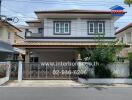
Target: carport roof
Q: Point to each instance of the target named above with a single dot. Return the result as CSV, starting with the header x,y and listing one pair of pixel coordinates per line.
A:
x,y
35,44
38,44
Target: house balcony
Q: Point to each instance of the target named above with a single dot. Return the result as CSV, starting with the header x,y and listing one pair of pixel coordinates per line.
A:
x,y
30,36
33,35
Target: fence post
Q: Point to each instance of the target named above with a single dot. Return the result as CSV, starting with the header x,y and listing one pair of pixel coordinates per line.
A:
x,y
79,61
20,68
8,69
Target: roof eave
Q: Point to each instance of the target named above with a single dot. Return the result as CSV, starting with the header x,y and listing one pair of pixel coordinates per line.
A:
x,y
123,29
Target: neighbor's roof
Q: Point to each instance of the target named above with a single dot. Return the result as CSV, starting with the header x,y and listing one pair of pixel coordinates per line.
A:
x,y
9,24
33,21
123,29
77,11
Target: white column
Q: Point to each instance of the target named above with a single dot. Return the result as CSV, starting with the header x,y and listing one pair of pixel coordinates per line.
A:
x,y
20,68
8,70
20,71
79,60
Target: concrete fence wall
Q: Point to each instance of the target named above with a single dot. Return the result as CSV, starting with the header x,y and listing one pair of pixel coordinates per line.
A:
x,y
105,81
7,77
119,70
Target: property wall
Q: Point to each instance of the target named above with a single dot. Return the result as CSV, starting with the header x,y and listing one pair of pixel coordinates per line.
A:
x,y
120,70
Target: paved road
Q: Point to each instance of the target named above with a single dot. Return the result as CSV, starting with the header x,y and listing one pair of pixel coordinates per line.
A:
x,y
63,93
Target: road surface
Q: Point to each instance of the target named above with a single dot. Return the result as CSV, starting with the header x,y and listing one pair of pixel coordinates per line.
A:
x,y
65,93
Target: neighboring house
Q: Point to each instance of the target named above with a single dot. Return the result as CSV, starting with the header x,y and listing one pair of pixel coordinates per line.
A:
x,y
8,36
57,35
125,36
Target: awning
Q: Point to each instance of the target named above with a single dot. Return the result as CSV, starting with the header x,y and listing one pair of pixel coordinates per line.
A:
x,y
5,47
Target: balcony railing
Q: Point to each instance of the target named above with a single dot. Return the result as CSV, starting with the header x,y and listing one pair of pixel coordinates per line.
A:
x,y
34,35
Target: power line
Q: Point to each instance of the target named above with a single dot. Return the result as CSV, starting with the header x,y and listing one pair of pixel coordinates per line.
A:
x,y
51,2
0,7
71,2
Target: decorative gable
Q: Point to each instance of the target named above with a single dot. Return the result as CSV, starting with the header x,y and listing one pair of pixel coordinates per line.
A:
x,y
117,10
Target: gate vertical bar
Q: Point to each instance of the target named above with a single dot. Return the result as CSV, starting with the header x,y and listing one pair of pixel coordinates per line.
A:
x,y
38,69
62,71
46,71
52,72
30,70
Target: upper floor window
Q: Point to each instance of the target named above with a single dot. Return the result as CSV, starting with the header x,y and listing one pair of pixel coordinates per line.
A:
x,y
100,27
91,27
96,27
62,27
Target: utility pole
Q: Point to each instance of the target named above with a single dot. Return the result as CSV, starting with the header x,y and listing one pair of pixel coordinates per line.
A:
x,y
0,7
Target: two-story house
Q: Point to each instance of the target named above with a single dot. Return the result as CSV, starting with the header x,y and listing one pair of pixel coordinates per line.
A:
x,y
9,34
125,35
57,35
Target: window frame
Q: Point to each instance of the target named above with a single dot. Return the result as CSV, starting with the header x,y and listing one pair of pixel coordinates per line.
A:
x,y
64,23
90,28
65,28
55,24
101,27
96,27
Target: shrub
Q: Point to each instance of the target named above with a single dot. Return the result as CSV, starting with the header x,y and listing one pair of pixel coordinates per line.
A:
x,y
102,72
101,56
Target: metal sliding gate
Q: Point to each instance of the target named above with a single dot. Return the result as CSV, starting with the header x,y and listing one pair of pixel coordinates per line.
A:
x,y
39,71
14,71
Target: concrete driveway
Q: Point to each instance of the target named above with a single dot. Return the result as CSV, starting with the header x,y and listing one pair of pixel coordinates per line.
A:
x,y
65,93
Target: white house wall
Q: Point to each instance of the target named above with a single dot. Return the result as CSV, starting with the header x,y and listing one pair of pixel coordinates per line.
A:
x,y
4,35
78,28
126,35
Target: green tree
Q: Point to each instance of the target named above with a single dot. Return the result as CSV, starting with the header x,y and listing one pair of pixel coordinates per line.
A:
x,y
101,55
128,2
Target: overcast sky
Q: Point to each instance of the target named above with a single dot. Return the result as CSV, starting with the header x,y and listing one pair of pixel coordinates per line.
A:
x,y
24,9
